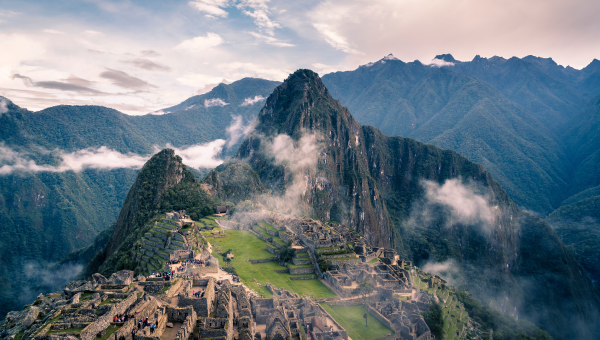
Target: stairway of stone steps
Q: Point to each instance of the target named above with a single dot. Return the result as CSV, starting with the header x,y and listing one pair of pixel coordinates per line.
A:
x,y
158,244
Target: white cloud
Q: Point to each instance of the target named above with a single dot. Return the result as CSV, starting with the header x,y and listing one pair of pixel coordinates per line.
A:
x,y
100,158
252,101
259,11
270,40
197,156
3,108
92,32
51,31
334,38
466,205
202,156
159,113
440,63
200,43
236,130
213,8
215,102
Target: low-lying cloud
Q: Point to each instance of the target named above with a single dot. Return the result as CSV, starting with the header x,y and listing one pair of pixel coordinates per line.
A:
x,y
299,159
3,106
215,102
197,156
202,155
452,203
465,204
251,101
440,63
237,130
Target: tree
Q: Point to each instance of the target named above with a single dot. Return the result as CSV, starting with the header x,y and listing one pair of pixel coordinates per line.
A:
x,y
286,253
363,290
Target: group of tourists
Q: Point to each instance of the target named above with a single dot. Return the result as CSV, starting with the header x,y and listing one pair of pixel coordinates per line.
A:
x,y
143,323
198,294
122,318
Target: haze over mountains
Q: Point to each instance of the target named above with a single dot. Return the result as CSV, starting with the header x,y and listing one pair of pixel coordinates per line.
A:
x,y
532,124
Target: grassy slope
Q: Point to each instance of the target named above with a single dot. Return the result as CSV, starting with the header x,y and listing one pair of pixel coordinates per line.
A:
x,y
247,246
351,318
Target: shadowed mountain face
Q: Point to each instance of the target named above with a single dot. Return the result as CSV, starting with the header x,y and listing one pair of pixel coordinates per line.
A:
x,y
402,193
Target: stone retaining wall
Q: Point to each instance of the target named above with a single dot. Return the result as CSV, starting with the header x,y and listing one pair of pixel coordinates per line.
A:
x,y
272,232
338,256
271,249
303,278
341,262
104,321
263,260
301,261
307,270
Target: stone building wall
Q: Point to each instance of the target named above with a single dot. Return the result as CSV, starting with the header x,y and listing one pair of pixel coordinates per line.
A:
x,y
104,321
381,318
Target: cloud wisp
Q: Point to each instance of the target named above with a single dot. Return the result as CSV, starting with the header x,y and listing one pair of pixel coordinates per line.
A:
x,y
214,102
251,101
237,130
124,80
205,155
3,106
147,64
453,203
440,63
71,84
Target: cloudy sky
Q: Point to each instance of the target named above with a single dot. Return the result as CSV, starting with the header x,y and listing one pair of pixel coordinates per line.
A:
x,y
141,56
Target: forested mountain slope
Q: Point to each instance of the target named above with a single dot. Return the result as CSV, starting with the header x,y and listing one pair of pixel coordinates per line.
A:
x,y
383,187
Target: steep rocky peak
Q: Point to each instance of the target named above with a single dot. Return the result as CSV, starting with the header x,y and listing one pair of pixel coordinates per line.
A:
x,y
446,57
162,172
301,104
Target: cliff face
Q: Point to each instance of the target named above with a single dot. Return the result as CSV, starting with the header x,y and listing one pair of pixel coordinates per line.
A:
x,y
385,187
338,184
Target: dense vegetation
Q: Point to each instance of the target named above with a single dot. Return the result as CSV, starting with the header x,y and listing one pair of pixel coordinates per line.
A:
x,y
164,184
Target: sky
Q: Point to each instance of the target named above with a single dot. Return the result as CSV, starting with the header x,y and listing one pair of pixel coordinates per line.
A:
x,y
141,56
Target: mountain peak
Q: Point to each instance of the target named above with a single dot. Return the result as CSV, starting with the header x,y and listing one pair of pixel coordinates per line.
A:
x,y
301,103
161,172
445,57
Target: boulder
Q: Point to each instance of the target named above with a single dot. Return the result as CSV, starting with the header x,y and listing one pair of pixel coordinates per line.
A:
x,y
29,316
75,298
100,279
141,278
123,277
87,287
169,324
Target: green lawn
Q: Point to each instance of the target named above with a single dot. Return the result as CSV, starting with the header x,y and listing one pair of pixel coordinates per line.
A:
x,y
351,318
246,245
373,261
